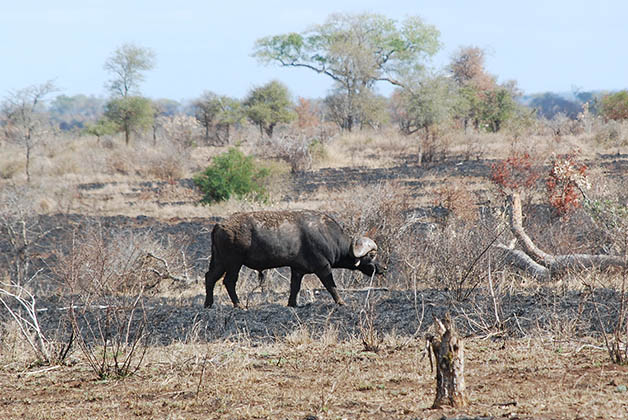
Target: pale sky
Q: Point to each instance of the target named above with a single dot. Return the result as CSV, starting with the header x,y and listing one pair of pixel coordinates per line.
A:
x,y
200,45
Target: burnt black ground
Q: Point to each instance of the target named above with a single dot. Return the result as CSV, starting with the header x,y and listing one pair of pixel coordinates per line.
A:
x,y
397,312
403,312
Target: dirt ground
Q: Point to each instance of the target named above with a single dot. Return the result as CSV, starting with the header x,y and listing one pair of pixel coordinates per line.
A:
x,y
303,377
274,362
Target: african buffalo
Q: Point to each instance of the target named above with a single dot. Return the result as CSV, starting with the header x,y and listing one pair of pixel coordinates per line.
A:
x,y
306,241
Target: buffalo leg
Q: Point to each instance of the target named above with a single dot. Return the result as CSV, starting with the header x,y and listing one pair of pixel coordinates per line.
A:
x,y
262,281
230,283
211,277
295,286
328,281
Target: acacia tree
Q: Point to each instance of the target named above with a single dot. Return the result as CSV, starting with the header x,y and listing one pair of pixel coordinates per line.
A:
x,y
127,65
268,105
129,114
24,118
356,51
217,113
127,109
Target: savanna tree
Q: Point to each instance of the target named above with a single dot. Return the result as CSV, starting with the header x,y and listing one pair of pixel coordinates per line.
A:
x,y
355,51
268,105
483,101
127,65
25,119
127,109
129,114
421,108
430,101
217,114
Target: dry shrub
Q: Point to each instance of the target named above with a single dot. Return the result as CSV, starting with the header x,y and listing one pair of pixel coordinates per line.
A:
x,y
379,212
519,172
599,226
102,264
371,148
433,146
13,347
293,148
10,169
457,201
473,147
182,130
21,306
105,276
452,256
612,134
368,333
617,341
23,238
168,168
561,125
299,146
167,162
298,337
121,161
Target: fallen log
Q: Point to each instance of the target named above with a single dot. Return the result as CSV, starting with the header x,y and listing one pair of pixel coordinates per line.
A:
x,y
540,264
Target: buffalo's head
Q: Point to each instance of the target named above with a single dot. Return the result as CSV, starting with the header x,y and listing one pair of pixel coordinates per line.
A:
x,y
365,251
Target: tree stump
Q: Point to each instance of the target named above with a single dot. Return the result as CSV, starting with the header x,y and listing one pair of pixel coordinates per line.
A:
x,y
448,349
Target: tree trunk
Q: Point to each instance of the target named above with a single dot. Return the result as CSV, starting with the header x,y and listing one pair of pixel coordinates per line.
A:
x,y
270,129
448,349
28,162
538,263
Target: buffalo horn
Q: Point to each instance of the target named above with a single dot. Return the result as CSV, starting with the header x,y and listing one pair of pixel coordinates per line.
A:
x,y
363,246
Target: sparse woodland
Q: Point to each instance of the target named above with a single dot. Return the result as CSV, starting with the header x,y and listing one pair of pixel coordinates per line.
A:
x,y
507,217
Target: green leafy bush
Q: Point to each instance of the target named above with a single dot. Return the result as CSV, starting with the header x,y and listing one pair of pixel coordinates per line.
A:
x,y
232,173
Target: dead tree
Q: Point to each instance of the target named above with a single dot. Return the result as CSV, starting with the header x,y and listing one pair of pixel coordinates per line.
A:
x,y
448,350
538,263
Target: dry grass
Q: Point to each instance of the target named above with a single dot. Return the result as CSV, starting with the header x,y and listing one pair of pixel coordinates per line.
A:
x,y
304,376
371,149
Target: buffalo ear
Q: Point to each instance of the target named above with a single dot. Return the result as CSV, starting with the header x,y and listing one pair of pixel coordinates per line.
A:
x,y
363,246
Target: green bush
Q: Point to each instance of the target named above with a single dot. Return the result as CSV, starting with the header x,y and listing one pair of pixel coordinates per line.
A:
x,y
232,173
614,106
